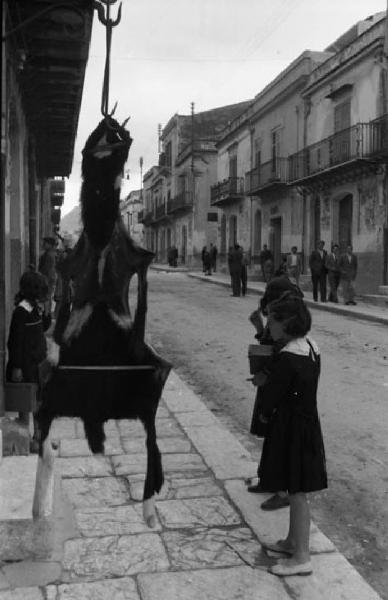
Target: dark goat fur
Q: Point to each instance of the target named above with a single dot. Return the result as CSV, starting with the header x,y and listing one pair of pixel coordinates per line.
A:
x,y
96,329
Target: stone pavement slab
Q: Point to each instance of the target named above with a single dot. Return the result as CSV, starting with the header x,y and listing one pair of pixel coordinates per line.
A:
x,y
84,466
182,485
17,485
97,492
122,588
195,512
238,583
80,447
22,593
210,548
270,526
128,464
113,556
117,520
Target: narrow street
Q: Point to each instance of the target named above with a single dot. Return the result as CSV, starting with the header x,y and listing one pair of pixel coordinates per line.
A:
x,y
205,333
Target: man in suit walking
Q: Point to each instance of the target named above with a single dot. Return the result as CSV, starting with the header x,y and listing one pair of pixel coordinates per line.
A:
x,y
294,264
235,258
318,271
348,269
333,272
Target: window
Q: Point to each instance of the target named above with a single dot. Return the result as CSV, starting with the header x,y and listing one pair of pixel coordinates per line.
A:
x,y
342,116
275,149
168,153
233,161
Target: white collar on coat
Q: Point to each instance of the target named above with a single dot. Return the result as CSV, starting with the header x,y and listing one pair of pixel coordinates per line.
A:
x,y
300,346
26,305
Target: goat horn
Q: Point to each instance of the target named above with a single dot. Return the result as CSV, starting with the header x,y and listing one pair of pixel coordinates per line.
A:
x,y
125,122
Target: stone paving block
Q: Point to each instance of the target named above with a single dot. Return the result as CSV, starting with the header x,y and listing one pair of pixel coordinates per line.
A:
x,y
98,492
134,464
227,458
162,412
79,447
17,485
189,462
168,428
123,588
175,488
130,464
235,583
130,428
22,593
113,556
117,520
203,548
84,466
30,573
167,445
197,512
185,400
203,418
63,428
333,578
270,526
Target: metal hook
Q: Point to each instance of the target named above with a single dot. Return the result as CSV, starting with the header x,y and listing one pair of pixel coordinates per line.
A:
x,y
107,21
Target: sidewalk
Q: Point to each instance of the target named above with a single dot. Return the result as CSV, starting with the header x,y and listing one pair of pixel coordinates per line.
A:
x,y
363,311
206,542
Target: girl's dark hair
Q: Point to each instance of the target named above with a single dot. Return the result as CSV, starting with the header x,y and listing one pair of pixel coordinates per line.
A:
x,y
32,287
293,313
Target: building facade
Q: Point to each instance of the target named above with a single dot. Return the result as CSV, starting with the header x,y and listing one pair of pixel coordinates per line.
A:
x,y
342,167
177,207
130,208
44,55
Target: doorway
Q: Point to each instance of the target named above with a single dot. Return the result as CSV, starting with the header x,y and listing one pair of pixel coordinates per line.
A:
x,y
345,219
257,234
184,245
232,230
275,241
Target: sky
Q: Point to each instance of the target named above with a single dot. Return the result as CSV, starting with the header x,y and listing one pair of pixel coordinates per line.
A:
x,y
168,53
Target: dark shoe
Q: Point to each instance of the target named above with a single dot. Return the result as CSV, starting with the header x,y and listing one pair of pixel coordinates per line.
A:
x,y
256,489
275,502
353,303
347,303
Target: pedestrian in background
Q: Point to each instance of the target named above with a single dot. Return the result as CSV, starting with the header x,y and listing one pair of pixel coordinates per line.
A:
x,y
27,346
282,268
235,258
47,267
294,265
265,255
318,271
206,262
269,270
213,257
293,456
333,272
348,269
244,272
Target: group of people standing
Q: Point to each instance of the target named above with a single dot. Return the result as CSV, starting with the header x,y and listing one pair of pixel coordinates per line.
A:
x,y
336,268
325,267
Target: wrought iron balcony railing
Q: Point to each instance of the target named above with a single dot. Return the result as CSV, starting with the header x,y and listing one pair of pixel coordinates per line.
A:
x,y
266,175
160,211
182,201
361,141
229,189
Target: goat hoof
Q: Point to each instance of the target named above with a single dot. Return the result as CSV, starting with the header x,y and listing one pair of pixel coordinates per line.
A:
x,y
149,512
151,521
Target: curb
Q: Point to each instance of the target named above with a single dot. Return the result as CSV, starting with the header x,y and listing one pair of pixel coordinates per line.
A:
x,y
339,310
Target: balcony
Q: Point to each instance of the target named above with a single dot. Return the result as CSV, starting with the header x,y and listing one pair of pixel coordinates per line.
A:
x,y
145,217
160,212
57,192
267,176
182,201
229,190
341,151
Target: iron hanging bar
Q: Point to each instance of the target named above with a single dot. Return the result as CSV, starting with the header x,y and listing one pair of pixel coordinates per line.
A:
x,y
109,24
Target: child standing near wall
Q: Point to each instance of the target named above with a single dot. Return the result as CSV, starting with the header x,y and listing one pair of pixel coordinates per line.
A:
x,y
27,346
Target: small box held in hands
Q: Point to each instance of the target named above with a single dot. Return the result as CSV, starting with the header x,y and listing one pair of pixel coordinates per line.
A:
x,y
259,355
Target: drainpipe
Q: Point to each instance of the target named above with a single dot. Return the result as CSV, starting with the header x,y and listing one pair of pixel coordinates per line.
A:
x,y
306,114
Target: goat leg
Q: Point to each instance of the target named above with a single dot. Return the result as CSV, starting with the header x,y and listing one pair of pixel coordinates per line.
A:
x,y
44,482
154,476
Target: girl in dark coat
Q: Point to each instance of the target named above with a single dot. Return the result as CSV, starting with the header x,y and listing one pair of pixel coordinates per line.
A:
x,y
26,341
293,457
